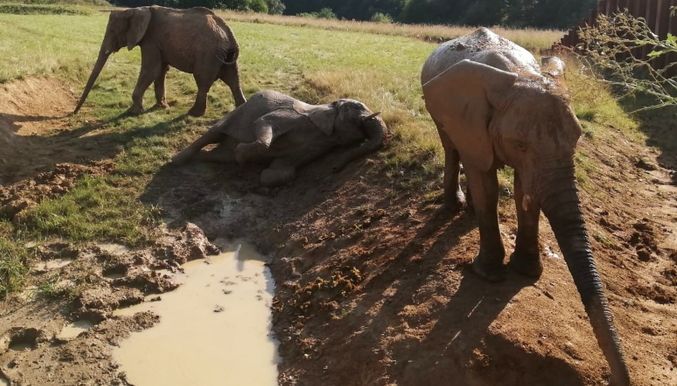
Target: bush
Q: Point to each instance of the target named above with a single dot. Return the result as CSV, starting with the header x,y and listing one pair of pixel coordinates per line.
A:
x,y
264,6
41,9
324,13
612,49
381,17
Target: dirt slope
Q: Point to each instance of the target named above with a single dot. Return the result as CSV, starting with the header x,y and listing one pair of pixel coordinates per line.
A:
x,y
372,278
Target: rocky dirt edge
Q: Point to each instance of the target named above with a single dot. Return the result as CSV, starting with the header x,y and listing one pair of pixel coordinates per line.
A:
x,y
87,284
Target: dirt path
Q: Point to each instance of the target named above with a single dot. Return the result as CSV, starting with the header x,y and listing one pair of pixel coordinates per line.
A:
x,y
372,278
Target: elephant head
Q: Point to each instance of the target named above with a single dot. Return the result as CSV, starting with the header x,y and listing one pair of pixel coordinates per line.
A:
x,y
348,121
125,28
493,117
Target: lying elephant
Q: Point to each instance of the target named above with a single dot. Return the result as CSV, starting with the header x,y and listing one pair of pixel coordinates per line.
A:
x,y
493,107
286,133
193,40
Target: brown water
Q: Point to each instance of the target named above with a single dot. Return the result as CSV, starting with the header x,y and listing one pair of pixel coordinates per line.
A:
x,y
214,329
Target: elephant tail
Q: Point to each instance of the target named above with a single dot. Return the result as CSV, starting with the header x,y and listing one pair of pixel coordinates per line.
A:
x,y
228,55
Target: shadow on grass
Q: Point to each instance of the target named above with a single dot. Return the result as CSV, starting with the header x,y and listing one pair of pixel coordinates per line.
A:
x,y
660,129
25,156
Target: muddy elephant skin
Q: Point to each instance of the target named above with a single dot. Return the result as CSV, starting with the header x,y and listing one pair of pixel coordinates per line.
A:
x,y
493,107
285,133
192,40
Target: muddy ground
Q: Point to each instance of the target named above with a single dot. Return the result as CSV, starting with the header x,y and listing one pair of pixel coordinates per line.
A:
x,y
372,276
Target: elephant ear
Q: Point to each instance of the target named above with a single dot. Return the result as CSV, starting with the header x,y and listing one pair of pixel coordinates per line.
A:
x,y
462,100
322,116
138,21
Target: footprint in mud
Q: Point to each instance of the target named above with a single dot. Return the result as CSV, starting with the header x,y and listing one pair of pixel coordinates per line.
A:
x,y
20,339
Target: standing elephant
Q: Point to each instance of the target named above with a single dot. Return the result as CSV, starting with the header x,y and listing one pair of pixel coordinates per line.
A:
x,y
286,133
493,107
192,40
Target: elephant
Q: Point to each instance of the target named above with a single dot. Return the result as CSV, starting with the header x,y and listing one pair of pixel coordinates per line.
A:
x,y
193,40
493,107
286,133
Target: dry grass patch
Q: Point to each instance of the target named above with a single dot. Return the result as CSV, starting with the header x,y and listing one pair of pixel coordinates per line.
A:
x,y
530,38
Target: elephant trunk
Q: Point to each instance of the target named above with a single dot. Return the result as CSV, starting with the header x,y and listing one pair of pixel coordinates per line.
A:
x,y
374,129
100,62
561,206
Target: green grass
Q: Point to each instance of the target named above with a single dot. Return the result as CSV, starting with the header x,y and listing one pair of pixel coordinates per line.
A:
x,y
13,263
314,64
93,210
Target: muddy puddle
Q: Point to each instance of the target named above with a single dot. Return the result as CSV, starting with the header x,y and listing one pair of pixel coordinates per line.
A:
x,y
215,329
73,330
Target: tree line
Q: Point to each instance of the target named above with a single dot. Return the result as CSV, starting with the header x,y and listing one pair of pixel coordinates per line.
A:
x,y
515,13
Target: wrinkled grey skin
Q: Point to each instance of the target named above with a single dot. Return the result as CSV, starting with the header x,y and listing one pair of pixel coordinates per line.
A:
x,y
493,107
285,133
192,40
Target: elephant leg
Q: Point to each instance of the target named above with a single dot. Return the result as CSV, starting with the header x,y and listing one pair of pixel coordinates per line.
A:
x,y
160,101
526,258
258,149
489,262
204,83
454,199
279,172
214,135
283,169
231,77
151,67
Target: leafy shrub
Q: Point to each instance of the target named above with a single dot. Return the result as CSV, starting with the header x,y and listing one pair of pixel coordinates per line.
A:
x,y
613,50
324,13
381,17
40,9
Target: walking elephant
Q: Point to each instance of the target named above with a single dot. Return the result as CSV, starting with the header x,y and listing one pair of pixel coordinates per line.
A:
x,y
286,133
192,40
493,107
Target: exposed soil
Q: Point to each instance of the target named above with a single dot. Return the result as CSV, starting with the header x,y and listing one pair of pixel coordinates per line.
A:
x,y
372,277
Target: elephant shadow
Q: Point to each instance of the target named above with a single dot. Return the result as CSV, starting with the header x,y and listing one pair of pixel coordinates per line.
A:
x,y
23,157
658,126
469,347
9,122
454,350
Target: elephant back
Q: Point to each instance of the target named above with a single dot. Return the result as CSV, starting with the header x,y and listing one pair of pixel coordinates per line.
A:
x,y
482,46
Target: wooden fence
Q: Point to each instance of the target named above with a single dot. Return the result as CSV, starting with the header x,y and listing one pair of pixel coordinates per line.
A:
x,y
656,13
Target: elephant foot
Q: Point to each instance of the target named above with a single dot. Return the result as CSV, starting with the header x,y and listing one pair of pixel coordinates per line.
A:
x,y
163,105
277,176
248,152
182,157
489,268
134,110
197,111
527,264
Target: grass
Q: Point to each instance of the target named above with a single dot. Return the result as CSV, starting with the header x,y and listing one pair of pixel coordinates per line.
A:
x,y
314,62
13,263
